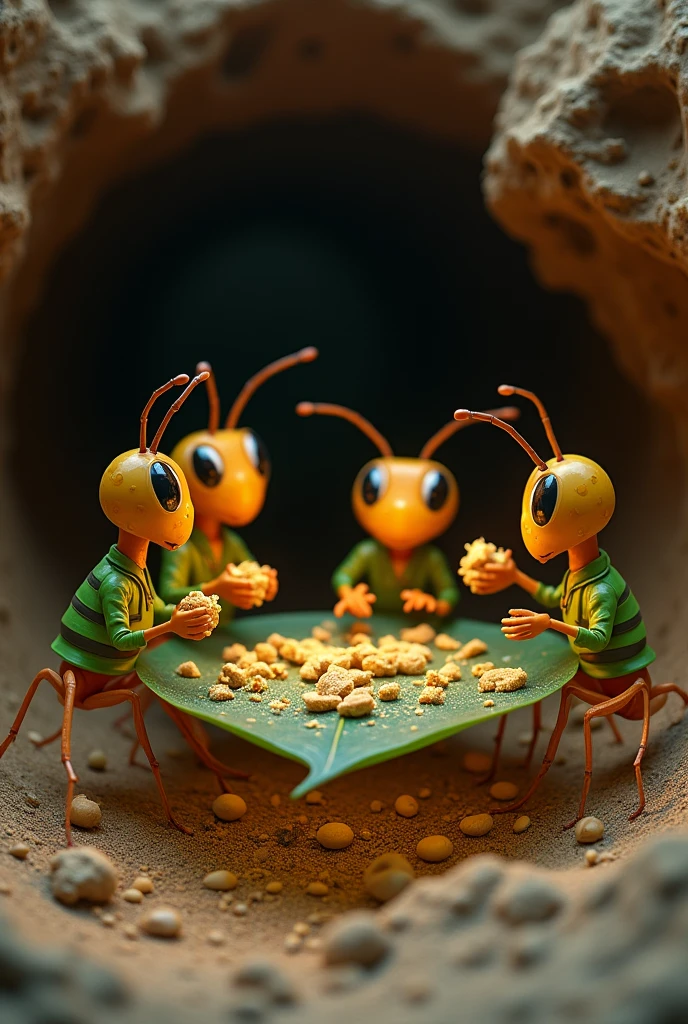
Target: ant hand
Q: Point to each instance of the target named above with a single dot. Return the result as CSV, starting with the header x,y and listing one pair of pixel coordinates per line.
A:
x,y
494,576
525,625
190,625
273,585
234,589
357,600
418,601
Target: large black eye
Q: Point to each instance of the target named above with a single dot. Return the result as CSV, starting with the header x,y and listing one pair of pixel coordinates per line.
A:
x,y
208,465
166,485
544,499
435,489
372,485
257,452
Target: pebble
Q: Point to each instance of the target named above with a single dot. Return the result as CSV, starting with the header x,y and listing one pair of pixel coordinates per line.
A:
x,y
240,909
20,850
317,889
646,178
143,884
529,901
435,849
162,922
387,875
476,762
273,888
314,797
216,938
220,881
591,857
503,790
376,806
34,737
406,806
355,939
108,920
424,793
476,824
589,830
130,931
522,823
301,928
366,834
292,944
132,896
97,760
335,835
275,799
5,889
229,807
85,813
82,873
32,800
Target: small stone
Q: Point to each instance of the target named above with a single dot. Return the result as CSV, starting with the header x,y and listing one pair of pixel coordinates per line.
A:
x,y
424,793
275,799
591,857
522,823
355,939
240,909
315,797
220,881
335,835
376,806
97,761
85,813
317,889
229,807
132,896
130,932
529,901
476,824
292,944
435,849
82,873
476,762
503,790
143,884
5,889
406,806
162,922
274,888
301,928
19,850
366,834
108,920
589,830
646,178
387,875
34,737
32,800
216,938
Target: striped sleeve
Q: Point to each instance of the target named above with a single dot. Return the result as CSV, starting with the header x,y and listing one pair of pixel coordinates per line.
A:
x,y
602,603
115,606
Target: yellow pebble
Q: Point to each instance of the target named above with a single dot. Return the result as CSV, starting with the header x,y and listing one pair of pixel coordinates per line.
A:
x,y
406,806
435,849
476,762
376,806
503,790
317,889
220,881
143,884
522,823
132,896
589,830
476,824
314,797
85,813
335,835
229,807
273,888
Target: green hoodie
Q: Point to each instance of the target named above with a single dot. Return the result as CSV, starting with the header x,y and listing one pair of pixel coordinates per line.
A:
x,y
370,562
611,639
194,563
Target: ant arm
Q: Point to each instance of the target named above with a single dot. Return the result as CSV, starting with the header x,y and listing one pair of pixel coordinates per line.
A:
x,y
522,624
497,576
435,574
348,582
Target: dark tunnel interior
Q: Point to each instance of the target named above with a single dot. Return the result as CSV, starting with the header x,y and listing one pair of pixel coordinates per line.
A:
x,y
364,239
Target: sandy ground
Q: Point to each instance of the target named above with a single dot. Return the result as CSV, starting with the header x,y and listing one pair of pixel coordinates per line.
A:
x,y
275,840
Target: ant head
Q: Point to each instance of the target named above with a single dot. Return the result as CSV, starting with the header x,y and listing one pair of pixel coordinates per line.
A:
x,y
566,500
228,470
401,502
145,492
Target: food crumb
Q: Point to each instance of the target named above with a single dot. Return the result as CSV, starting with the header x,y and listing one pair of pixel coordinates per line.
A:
x,y
189,670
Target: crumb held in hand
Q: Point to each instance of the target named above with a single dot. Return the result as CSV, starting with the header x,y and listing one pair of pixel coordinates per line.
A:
x,y
502,680
478,553
189,670
208,602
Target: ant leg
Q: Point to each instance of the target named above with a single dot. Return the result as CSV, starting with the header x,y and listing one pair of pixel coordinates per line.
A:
x,y
186,724
55,681
667,688
110,699
49,739
569,691
130,681
606,708
641,753
69,695
499,737
537,726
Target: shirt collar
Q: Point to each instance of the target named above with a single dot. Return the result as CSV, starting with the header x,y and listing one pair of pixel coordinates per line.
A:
x,y
126,564
598,567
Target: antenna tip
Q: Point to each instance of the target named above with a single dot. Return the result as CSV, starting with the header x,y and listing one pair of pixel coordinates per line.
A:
x,y
506,389
509,412
202,367
307,355
305,409
203,375
182,378
462,414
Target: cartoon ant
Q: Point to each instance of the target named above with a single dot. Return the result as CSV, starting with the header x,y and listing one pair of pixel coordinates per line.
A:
x,y
115,612
402,503
566,503
228,472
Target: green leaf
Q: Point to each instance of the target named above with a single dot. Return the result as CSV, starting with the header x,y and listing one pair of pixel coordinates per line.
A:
x,y
343,745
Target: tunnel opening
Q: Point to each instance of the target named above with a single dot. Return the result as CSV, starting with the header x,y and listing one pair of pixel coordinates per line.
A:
x,y
372,243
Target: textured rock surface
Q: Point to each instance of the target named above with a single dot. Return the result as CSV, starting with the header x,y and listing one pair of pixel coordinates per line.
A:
x,y
589,168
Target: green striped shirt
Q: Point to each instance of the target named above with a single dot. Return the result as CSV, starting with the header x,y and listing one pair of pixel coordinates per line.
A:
x,y
102,629
611,639
194,563
371,562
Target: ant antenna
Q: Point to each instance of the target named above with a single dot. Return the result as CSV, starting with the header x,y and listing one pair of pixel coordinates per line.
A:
x,y
306,355
182,378
485,417
509,389
175,407
326,409
507,412
213,397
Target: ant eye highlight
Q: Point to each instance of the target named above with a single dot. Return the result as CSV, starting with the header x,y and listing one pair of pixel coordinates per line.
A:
x,y
208,465
434,489
257,452
373,485
544,499
166,485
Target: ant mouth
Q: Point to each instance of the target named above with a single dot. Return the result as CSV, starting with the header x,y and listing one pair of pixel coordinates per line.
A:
x,y
169,544
543,558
